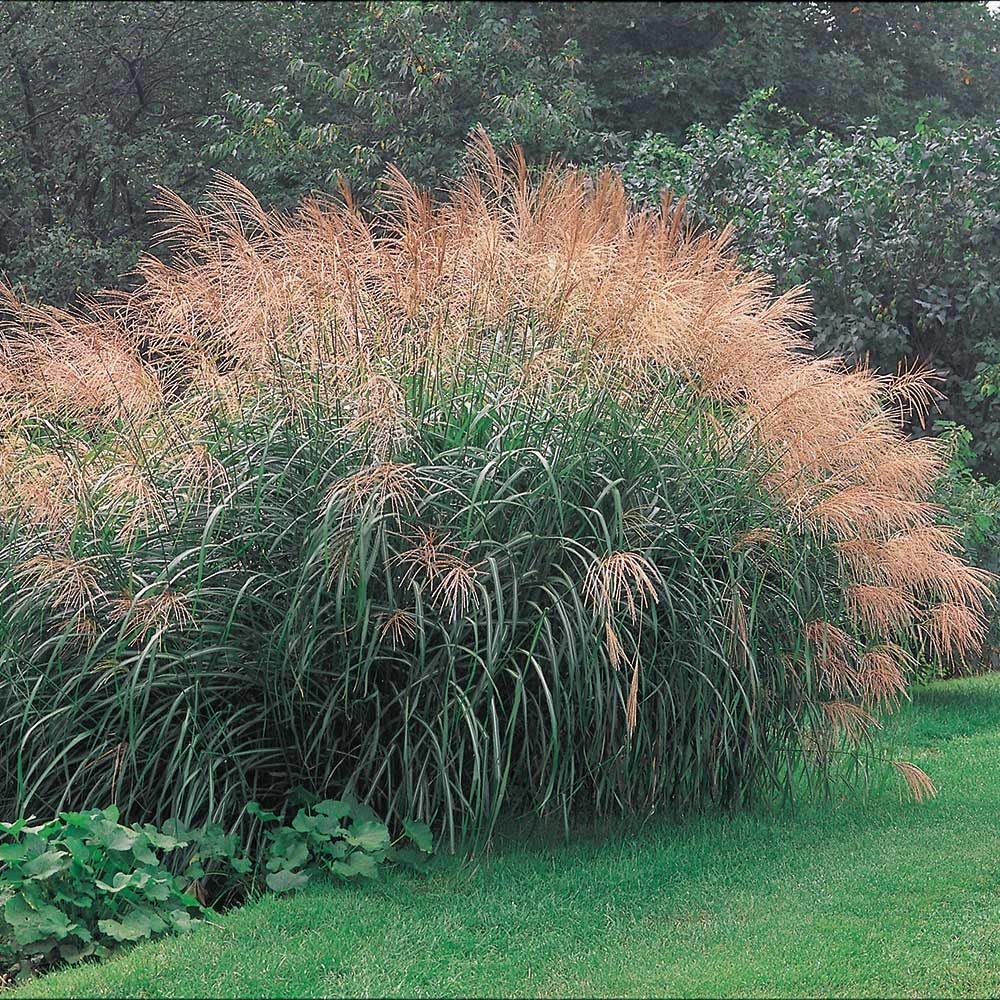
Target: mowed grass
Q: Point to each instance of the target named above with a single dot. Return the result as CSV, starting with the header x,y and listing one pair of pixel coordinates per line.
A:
x,y
844,899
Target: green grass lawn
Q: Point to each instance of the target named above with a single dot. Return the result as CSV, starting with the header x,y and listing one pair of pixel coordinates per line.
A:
x,y
879,898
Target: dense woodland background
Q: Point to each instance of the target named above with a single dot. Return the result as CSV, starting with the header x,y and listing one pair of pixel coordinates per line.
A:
x,y
856,147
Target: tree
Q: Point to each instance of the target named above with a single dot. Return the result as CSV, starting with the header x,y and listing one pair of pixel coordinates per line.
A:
x,y
663,66
100,101
406,85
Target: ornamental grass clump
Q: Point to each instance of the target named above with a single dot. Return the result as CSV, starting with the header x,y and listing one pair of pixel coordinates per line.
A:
x,y
516,501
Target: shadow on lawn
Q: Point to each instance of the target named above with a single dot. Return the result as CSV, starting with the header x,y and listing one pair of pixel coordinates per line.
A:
x,y
950,709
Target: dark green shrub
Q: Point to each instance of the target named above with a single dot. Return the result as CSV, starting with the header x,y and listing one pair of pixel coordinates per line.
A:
x,y
897,237
100,102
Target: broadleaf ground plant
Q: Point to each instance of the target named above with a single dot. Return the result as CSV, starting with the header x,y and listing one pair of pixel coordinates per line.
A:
x,y
83,884
516,502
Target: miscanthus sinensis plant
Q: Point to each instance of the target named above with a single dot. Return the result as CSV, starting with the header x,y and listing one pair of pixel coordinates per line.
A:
x,y
517,500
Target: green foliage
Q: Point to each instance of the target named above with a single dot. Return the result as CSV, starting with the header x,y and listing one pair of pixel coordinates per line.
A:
x,y
98,103
406,82
343,838
428,634
661,67
103,100
973,503
83,883
895,236
973,499
408,85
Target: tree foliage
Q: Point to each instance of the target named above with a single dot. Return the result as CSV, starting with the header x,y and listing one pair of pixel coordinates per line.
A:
x,y
897,237
410,81
663,66
100,101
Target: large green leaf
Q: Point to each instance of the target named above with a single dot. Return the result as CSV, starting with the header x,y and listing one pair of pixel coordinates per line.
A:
x,y
46,865
137,925
420,834
286,880
114,837
358,865
368,835
33,923
15,851
125,880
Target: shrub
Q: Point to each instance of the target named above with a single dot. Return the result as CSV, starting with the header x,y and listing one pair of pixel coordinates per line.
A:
x,y
895,236
518,502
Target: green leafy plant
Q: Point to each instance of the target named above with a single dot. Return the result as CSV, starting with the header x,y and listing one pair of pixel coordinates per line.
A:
x,y
93,127
895,236
83,883
343,838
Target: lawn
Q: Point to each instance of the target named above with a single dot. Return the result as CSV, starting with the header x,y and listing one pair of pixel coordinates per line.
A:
x,y
844,899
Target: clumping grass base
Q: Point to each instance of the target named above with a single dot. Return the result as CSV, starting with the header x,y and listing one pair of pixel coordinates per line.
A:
x,y
522,501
